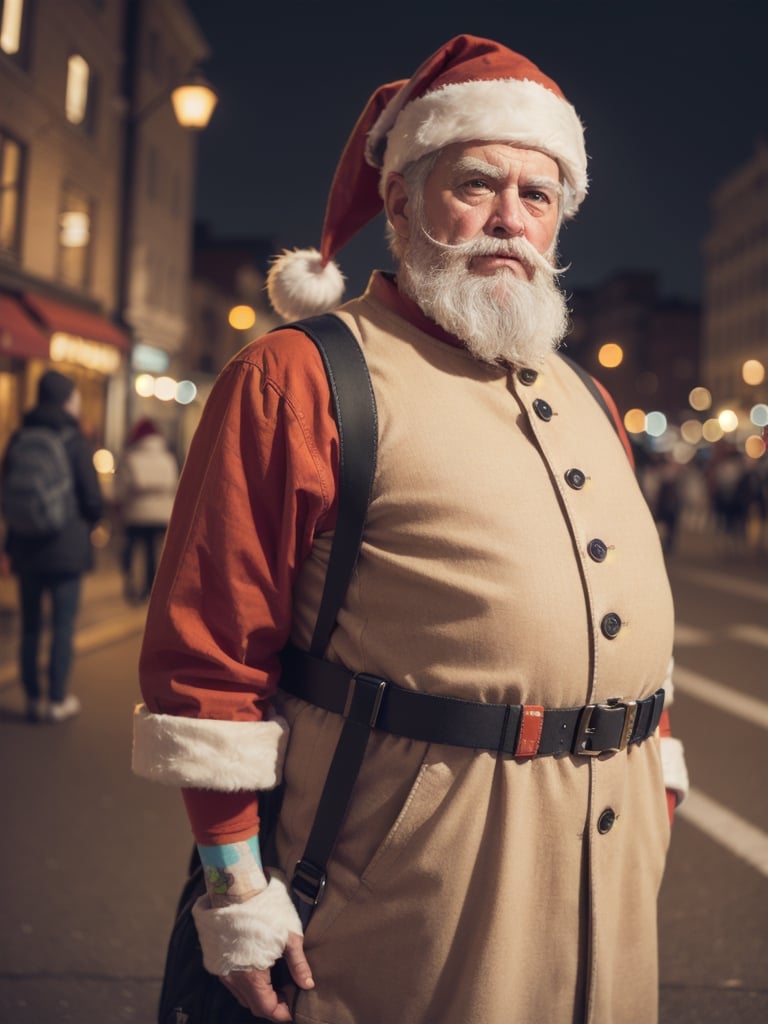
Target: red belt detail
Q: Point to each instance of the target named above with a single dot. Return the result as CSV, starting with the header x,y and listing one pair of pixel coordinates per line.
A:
x,y
531,724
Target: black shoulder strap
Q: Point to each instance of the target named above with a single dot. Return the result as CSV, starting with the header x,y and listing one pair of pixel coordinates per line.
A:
x,y
355,410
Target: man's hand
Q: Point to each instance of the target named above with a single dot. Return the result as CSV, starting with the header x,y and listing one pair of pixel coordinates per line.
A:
x,y
254,989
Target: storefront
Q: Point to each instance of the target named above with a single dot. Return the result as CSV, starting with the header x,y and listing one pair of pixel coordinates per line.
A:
x,y
38,333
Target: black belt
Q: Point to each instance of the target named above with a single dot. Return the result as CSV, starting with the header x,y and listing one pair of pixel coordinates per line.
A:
x,y
520,730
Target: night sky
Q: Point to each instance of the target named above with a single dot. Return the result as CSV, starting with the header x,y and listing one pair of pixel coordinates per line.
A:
x,y
672,104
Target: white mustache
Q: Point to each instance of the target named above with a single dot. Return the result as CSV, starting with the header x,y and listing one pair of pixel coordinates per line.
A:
x,y
517,248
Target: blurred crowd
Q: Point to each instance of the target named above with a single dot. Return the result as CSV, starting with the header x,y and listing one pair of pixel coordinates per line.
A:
x,y
723,492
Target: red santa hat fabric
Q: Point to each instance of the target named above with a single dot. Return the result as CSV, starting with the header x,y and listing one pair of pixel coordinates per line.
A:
x,y
469,89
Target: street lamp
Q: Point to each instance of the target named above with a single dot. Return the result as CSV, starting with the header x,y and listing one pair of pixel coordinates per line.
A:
x,y
193,101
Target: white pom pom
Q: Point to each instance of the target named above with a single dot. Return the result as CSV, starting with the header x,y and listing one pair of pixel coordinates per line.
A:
x,y
299,285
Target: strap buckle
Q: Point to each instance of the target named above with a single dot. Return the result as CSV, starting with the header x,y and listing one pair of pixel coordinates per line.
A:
x,y
364,696
308,882
582,742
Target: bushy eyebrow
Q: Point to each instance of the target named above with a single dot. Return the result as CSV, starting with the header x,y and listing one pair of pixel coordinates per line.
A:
x,y
470,166
545,183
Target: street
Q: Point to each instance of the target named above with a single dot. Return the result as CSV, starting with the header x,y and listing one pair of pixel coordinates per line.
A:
x,y
92,857
714,901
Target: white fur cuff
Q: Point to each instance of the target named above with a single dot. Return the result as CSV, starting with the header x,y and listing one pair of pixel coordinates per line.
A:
x,y
208,754
247,935
673,767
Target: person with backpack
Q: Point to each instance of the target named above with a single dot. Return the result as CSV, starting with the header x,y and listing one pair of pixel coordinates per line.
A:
x,y
51,499
499,672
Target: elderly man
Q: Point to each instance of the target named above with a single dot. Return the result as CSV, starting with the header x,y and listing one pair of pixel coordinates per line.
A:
x,y
508,561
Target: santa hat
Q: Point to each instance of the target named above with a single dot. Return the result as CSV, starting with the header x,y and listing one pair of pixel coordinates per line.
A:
x,y
469,89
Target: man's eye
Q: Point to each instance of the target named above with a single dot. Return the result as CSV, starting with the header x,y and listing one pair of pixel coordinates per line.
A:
x,y
537,197
476,184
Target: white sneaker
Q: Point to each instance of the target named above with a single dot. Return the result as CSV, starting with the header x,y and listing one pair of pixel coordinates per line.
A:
x,y
63,709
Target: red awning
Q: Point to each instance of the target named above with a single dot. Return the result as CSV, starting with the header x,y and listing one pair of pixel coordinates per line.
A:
x,y
20,335
91,326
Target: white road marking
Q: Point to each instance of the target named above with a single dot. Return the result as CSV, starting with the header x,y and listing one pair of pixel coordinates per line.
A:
x,y
691,636
720,581
724,697
727,829
750,634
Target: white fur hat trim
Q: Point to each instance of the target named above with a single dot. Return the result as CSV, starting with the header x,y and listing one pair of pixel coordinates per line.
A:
x,y
208,754
247,935
503,110
299,285
673,766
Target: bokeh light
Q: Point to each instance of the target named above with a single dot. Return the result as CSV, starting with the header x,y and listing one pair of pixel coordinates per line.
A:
x,y
691,431
242,318
753,372
104,461
712,431
754,446
700,399
610,355
655,423
728,420
634,421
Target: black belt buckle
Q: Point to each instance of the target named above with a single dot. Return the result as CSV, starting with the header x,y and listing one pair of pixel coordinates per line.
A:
x,y
583,733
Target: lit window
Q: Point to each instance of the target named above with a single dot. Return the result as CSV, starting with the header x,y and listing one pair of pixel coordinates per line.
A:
x,y
78,77
74,237
10,26
11,165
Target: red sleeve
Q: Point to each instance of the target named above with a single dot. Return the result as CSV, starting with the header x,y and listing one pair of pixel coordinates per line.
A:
x,y
258,484
218,818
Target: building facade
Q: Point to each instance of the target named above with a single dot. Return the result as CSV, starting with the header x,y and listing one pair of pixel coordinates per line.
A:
x,y
228,275
96,196
736,285
644,347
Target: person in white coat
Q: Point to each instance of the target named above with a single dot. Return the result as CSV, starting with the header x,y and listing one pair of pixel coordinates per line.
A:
x,y
145,485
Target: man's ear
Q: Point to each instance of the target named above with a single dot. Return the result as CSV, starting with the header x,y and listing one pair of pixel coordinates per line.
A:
x,y
396,204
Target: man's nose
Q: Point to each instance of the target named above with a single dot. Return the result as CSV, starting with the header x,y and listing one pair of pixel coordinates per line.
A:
x,y
507,220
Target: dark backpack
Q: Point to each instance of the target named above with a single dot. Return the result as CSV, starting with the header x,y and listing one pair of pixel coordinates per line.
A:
x,y
38,490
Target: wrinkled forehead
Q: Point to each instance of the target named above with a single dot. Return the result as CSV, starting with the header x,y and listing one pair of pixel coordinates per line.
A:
x,y
498,160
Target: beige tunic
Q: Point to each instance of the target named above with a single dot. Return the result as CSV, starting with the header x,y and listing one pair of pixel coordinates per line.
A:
x,y
469,887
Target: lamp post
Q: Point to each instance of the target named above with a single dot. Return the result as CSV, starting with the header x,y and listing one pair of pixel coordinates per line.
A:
x,y
193,101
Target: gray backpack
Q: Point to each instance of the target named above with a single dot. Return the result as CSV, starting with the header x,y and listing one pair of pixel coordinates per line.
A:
x,y
38,489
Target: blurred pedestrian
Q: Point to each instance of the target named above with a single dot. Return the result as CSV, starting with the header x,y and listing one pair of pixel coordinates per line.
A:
x,y
146,478
668,503
41,479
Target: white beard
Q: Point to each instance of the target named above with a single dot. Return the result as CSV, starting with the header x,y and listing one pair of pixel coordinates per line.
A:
x,y
500,317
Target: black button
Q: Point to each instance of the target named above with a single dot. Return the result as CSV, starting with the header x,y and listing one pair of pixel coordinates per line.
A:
x,y
528,377
610,625
575,479
597,549
606,821
543,410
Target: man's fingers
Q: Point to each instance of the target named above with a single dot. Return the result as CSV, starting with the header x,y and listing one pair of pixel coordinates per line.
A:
x,y
253,989
297,962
